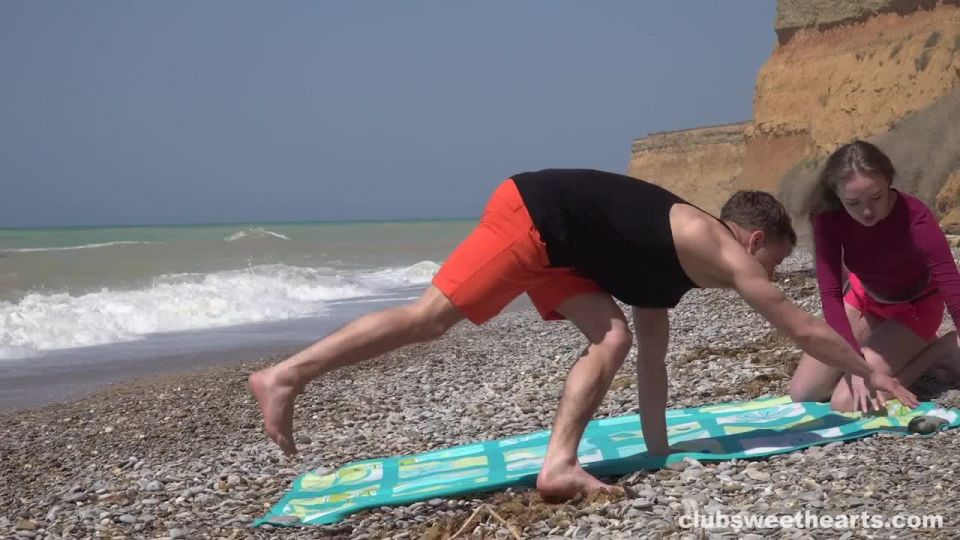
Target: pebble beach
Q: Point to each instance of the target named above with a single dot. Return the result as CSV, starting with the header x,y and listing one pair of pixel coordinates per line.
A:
x,y
184,456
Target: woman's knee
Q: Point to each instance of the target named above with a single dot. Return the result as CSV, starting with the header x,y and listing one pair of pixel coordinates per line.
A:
x,y
812,380
800,391
842,399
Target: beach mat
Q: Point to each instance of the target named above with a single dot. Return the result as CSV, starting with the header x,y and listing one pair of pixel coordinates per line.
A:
x,y
610,447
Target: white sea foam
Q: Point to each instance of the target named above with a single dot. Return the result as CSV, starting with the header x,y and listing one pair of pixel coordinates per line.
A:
x,y
70,248
256,232
176,302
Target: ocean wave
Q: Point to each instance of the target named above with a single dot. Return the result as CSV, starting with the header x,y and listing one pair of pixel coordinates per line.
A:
x,y
179,302
256,232
70,248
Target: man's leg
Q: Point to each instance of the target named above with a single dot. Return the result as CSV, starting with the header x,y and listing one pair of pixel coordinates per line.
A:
x,y
277,387
605,326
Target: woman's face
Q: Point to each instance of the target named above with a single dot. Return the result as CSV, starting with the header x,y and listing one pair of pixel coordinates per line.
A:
x,y
867,197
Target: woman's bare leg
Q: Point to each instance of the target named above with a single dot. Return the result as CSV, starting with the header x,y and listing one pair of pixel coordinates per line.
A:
x,y
891,347
943,354
815,381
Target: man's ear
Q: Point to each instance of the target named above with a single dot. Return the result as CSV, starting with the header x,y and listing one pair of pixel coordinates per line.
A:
x,y
756,241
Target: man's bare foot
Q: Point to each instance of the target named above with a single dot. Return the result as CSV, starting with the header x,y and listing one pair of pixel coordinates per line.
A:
x,y
563,481
276,406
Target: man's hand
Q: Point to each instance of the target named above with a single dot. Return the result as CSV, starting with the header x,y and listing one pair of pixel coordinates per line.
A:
x,y
882,381
652,328
658,449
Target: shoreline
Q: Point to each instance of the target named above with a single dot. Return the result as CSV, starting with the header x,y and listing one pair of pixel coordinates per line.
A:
x,y
58,384
183,455
62,377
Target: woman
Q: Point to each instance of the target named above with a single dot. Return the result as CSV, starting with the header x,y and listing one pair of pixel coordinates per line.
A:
x,y
901,274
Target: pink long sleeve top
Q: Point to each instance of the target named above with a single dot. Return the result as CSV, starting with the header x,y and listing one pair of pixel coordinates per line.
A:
x,y
892,258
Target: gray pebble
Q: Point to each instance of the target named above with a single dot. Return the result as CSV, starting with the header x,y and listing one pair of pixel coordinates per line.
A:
x,y
154,485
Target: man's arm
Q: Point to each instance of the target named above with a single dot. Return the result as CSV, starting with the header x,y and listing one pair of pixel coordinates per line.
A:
x,y
652,327
711,257
812,335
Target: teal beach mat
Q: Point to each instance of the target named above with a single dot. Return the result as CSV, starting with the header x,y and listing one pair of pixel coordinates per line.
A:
x,y
610,447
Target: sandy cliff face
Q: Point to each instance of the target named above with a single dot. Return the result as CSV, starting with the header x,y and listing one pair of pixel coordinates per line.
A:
x,y
884,70
700,165
796,15
823,88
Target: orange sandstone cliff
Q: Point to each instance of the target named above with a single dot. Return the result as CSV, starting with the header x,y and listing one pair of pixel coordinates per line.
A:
x,y
698,164
884,70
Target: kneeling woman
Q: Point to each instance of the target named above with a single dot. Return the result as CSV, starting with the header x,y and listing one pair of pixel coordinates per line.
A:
x,y
901,274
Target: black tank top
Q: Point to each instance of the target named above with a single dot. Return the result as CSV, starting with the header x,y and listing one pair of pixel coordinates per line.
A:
x,y
613,229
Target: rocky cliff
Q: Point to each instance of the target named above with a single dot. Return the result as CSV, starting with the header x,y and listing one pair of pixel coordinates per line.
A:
x,y
884,70
796,15
699,164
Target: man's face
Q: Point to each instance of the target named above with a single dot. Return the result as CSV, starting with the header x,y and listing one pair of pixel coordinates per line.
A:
x,y
769,254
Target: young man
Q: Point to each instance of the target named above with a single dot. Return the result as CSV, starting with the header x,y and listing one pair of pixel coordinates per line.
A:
x,y
574,240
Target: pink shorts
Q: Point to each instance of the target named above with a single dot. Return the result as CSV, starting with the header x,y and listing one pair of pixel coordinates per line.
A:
x,y
922,315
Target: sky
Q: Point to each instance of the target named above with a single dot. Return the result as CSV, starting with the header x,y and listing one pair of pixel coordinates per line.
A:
x,y
226,111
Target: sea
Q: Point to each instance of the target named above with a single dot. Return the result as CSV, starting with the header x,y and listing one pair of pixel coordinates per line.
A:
x,y
73,295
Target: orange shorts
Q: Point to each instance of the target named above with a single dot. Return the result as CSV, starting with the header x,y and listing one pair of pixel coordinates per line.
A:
x,y
504,258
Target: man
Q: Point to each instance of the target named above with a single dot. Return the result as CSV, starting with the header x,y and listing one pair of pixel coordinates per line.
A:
x,y
574,240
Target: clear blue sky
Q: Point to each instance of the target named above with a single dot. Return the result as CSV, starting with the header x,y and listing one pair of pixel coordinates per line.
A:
x,y
119,112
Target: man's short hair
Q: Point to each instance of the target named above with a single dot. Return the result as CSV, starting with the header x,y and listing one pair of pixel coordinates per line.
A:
x,y
759,210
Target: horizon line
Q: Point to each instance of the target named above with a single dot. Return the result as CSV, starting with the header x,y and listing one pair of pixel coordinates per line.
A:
x,y
228,223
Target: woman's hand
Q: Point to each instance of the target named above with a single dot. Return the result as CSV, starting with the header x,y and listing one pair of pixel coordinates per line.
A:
x,y
863,398
881,381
